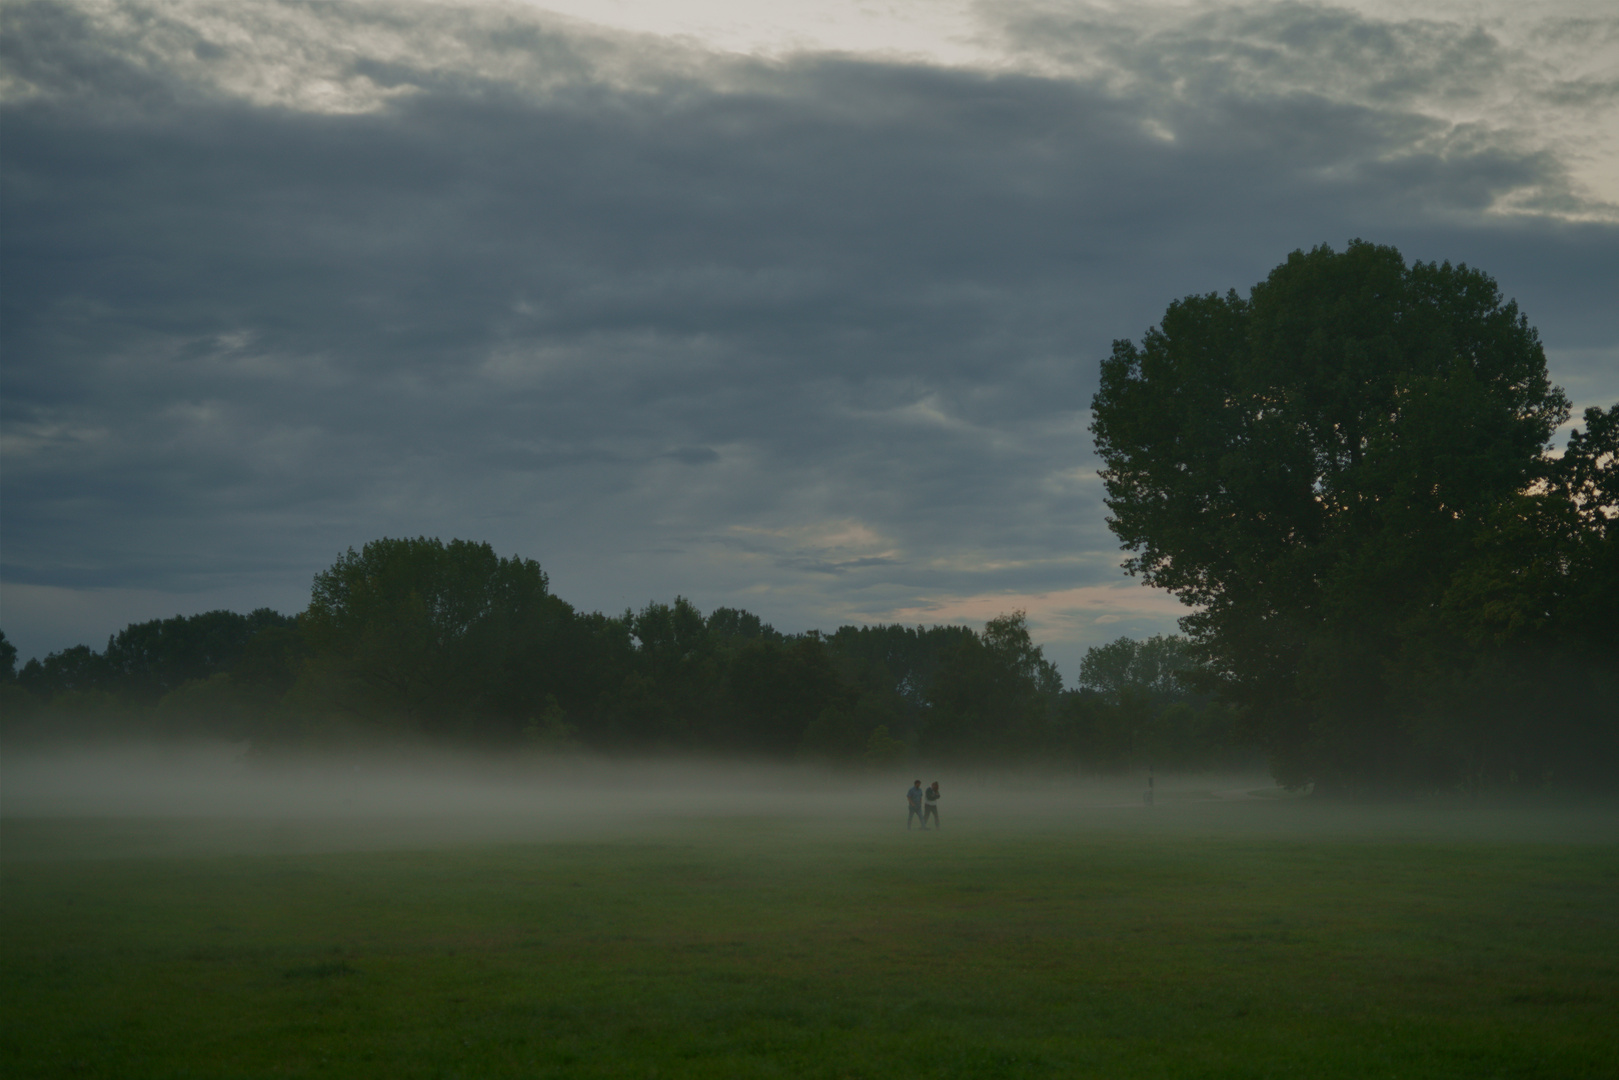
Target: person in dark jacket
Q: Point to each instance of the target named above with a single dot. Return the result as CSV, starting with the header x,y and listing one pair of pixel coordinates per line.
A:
x,y
932,810
913,799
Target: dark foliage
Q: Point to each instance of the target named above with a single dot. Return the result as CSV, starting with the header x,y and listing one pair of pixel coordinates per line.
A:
x,y
1136,705
147,660
448,641
1347,473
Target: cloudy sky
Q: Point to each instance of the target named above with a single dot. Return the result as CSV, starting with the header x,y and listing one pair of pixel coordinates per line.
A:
x,y
795,307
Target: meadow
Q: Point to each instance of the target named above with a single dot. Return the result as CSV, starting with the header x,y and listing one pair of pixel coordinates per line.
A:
x,y
1041,933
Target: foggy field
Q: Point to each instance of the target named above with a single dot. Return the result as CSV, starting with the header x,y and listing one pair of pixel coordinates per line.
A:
x,y
197,913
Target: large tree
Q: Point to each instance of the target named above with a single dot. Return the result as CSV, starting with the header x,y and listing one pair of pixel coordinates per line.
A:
x,y
1308,466
1148,667
993,695
147,660
443,638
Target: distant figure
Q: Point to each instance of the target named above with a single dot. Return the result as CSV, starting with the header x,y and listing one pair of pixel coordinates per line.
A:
x,y
932,810
913,798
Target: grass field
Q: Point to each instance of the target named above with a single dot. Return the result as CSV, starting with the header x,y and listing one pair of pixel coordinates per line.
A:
x,y
1193,939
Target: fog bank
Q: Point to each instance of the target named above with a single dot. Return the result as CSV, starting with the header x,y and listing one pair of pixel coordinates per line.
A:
x,y
217,798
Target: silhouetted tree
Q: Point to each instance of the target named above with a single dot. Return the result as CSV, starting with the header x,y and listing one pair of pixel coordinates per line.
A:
x,y
1150,666
993,695
146,660
778,689
447,639
77,670
1317,467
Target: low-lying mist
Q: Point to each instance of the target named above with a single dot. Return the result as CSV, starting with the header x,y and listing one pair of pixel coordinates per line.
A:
x,y
212,797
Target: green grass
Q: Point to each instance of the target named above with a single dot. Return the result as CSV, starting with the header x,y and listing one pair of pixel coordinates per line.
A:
x,y
1217,947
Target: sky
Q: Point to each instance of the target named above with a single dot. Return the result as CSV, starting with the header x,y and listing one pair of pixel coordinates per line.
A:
x,y
793,307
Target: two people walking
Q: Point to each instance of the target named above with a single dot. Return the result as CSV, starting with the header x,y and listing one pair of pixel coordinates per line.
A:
x,y
923,803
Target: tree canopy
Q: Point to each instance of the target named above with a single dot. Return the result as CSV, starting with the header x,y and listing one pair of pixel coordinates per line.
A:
x,y
436,636
447,641
1149,667
1346,473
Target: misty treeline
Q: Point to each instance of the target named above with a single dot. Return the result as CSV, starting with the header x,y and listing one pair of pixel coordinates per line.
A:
x,y
1399,580
421,639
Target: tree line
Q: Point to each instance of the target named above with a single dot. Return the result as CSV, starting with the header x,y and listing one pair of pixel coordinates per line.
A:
x,y
449,642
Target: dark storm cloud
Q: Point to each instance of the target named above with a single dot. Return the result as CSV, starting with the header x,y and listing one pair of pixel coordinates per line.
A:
x,y
812,337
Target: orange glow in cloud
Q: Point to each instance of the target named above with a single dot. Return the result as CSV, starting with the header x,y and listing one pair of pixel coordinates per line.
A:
x,y
1050,612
